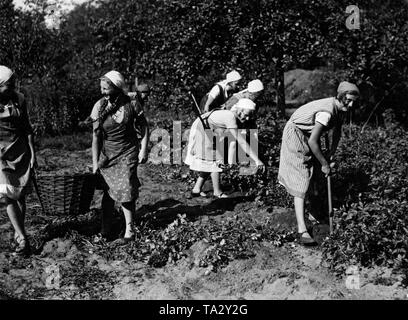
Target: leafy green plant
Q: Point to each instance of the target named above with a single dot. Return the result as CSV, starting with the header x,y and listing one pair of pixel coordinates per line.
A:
x,y
371,222
236,237
264,187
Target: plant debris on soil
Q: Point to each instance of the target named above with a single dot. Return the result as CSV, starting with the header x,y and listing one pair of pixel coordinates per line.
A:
x,y
242,247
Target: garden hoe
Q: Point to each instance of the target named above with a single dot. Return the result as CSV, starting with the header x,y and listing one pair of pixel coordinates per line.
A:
x,y
329,198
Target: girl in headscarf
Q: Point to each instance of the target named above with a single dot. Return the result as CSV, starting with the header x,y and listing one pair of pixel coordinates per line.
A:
x,y
252,92
201,155
301,145
221,92
115,149
17,155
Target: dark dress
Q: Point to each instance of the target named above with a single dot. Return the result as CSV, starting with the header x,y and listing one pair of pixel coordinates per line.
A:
x,y
15,153
118,159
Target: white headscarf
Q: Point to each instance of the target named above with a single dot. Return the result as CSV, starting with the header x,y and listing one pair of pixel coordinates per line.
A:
x,y
117,79
233,76
347,86
255,86
5,74
244,103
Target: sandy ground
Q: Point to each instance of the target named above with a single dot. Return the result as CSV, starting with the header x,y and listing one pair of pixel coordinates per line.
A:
x,y
287,272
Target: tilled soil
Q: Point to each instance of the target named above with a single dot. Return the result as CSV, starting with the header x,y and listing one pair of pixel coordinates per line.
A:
x,y
70,265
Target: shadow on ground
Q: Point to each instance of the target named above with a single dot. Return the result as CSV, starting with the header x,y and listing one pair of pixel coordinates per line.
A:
x,y
165,211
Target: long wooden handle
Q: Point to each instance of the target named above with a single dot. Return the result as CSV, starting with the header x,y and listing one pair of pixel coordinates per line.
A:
x,y
329,198
198,112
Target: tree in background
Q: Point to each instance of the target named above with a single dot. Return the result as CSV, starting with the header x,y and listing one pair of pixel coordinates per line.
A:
x,y
376,54
7,18
187,45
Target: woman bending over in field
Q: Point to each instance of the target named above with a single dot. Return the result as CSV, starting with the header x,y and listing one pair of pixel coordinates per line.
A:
x,y
17,156
115,149
301,143
203,158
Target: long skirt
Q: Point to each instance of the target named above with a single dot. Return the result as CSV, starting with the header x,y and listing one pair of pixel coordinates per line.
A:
x,y
295,165
122,182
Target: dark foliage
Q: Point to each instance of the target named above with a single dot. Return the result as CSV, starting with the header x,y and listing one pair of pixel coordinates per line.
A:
x,y
372,187
178,46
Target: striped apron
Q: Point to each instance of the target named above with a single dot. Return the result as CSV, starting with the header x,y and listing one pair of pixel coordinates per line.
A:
x,y
295,165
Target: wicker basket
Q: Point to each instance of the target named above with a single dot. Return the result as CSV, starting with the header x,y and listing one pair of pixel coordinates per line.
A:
x,y
66,194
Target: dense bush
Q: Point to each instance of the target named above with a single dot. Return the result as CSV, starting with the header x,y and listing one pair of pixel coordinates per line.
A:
x,y
368,235
178,46
371,220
